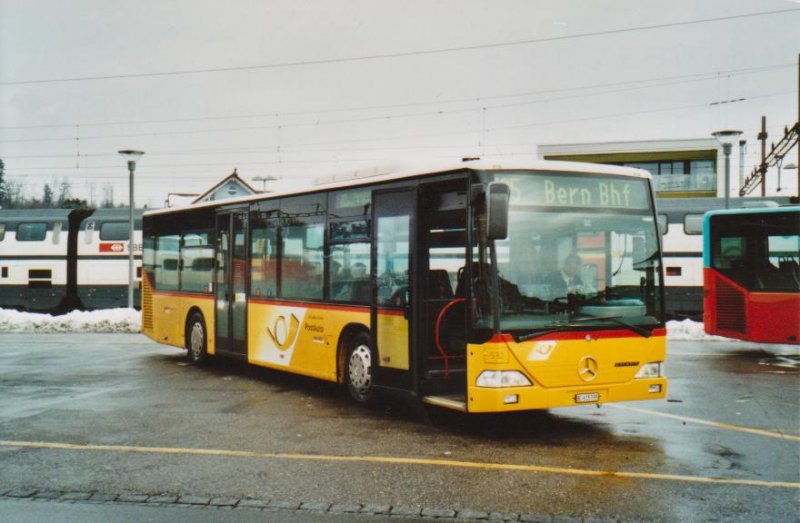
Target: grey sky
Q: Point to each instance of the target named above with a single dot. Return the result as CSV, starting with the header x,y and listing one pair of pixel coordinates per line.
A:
x,y
271,112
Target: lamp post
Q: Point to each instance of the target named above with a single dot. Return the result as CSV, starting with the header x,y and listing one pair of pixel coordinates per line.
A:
x,y
727,138
131,156
264,180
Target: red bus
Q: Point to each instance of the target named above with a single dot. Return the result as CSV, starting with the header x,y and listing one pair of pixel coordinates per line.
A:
x,y
752,274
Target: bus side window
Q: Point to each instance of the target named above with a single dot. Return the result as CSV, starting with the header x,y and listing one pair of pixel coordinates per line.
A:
x,y
348,267
167,255
263,257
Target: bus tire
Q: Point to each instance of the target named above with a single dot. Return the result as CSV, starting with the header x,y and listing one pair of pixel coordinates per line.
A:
x,y
358,369
196,339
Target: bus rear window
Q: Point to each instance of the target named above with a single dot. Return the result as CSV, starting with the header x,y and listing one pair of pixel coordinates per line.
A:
x,y
31,232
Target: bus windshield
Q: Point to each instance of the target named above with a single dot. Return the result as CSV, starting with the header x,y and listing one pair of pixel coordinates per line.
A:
x,y
588,256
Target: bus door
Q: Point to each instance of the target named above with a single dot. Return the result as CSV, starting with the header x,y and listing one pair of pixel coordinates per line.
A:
x,y
231,282
393,292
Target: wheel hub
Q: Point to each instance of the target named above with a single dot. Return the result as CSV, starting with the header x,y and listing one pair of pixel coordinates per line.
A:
x,y
360,369
197,339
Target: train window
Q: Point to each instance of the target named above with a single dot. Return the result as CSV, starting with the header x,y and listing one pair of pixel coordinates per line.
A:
x,y
31,232
89,233
693,224
114,231
57,232
663,224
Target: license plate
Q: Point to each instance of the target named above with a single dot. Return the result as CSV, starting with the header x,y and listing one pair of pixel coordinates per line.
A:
x,y
588,397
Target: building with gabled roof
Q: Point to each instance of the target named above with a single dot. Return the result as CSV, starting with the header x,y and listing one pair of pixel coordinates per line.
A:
x,y
232,186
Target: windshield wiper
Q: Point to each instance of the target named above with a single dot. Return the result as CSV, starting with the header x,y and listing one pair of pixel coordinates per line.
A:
x,y
638,329
576,322
557,327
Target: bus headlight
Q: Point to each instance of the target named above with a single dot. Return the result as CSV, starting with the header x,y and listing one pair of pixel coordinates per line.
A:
x,y
502,378
651,370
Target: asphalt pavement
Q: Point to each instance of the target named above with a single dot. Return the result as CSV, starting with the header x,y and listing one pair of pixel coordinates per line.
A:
x,y
99,423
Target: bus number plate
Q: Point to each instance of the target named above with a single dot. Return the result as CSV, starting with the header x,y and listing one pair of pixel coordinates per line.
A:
x,y
589,397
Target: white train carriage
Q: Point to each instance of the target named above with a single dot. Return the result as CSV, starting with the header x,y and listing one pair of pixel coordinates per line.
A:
x,y
681,224
61,259
33,258
102,258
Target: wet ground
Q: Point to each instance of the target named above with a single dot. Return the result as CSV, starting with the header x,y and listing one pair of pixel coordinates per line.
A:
x,y
114,413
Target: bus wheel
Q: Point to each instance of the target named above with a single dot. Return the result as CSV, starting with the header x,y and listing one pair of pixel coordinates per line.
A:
x,y
196,343
359,369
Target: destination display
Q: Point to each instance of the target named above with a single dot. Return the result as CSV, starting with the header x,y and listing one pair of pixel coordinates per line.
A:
x,y
558,190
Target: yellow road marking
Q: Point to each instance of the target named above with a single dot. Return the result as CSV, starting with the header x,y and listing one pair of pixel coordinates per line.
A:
x,y
398,461
717,424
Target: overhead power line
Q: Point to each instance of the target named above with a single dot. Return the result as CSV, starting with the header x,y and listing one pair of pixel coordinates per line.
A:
x,y
424,52
650,82
298,147
385,117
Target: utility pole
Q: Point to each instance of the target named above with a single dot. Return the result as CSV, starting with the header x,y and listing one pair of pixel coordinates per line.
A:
x,y
763,165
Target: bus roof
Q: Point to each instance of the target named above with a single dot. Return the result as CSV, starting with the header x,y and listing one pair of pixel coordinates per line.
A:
x,y
753,210
396,172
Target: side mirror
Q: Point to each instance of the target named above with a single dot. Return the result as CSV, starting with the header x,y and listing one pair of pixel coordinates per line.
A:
x,y
497,198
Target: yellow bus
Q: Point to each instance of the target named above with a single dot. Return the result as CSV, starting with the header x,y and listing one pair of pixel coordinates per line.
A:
x,y
475,287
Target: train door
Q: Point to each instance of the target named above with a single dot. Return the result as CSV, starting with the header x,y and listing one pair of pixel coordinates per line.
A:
x,y
231,282
392,298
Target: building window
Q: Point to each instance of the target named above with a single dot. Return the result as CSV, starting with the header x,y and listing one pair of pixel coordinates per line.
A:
x,y
680,176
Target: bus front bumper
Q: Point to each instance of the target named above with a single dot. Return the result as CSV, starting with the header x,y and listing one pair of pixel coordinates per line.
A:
x,y
483,399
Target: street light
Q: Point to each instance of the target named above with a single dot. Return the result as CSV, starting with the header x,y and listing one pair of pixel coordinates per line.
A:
x,y
131,156
727,138
264,180
788,167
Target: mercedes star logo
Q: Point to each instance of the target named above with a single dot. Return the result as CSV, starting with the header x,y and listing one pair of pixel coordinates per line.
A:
x,y
587,368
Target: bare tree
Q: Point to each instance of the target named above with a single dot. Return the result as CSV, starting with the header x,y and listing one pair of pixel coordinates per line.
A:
x,y
63,192
47,197
108,196
3,185
14,195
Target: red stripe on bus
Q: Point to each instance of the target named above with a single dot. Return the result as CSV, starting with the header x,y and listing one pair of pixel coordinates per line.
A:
x,y
184,295
310,305
577,335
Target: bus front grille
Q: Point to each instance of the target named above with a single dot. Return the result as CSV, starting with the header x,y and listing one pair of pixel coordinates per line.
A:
x,y
730,308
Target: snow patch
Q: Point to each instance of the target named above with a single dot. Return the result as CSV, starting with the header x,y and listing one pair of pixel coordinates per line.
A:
x,y
130,320
106,320
686,330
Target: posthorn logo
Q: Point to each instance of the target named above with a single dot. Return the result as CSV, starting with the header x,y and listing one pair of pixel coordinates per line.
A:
x,y
283,335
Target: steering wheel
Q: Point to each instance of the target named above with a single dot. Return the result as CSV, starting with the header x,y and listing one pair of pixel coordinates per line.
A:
x,y
732,253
